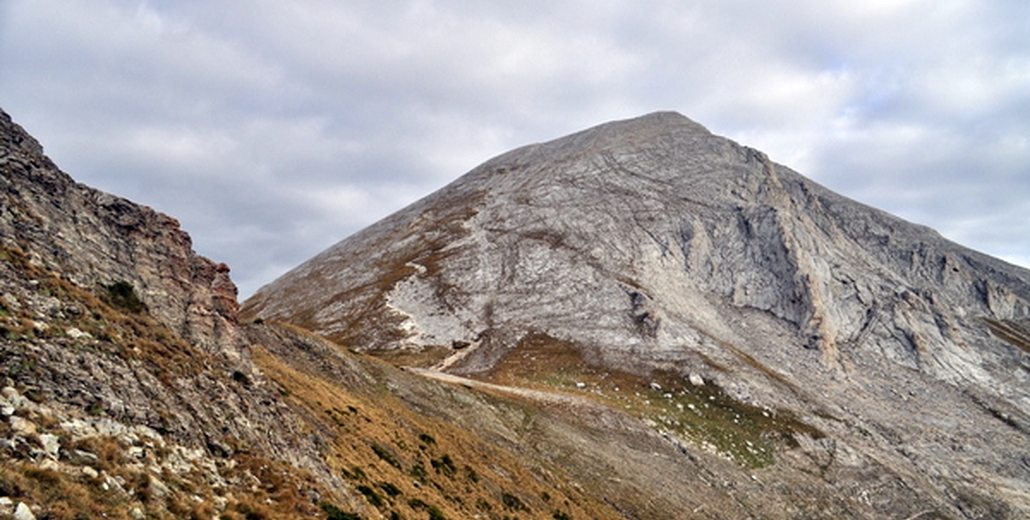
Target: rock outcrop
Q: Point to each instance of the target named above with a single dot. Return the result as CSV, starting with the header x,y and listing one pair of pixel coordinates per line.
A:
x,y
94,238
650,246
108,317
129,390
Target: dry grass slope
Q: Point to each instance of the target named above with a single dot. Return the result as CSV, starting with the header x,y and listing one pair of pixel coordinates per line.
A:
x,y
406,464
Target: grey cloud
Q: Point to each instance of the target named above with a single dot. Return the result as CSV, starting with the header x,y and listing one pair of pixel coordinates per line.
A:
x,y
275,129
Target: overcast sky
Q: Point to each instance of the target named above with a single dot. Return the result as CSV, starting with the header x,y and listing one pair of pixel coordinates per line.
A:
x,y
272,129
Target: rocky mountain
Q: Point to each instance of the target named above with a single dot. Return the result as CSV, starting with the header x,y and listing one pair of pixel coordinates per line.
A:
x,y
130,389
735,340
122,336
641,321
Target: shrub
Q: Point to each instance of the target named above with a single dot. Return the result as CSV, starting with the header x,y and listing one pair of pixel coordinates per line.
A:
x,y
419,472
389,489
436,514
387,457
371,495
513,502
445,465
335,513
122,295
240,377
356,473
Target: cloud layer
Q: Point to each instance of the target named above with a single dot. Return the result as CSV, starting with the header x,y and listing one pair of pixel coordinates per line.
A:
x,y
274,129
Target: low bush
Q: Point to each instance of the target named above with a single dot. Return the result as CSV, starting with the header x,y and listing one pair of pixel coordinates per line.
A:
x,y
335,513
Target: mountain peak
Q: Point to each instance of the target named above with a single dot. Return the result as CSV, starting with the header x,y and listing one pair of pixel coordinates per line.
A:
x,y
641,320
657,203
650,245
645,127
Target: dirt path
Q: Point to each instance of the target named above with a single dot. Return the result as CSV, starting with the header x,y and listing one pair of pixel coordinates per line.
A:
x,y
535,395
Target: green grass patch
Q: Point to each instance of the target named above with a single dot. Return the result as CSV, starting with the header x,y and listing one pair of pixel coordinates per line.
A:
x,y
703,415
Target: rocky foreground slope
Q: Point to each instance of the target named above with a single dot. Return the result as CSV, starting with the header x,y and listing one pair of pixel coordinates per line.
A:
x,y
805,355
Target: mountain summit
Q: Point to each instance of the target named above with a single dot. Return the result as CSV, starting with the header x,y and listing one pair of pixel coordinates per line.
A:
x,y
650,247
639,321
647,237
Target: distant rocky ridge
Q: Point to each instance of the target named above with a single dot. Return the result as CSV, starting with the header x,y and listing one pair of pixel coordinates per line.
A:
x,y
651,246
630,221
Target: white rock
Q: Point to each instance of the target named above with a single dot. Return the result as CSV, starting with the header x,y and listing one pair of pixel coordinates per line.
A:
x,y
84,455
50,464
159,488
22,426
89,472
12,301
696,379
78,428
51,444
14,397
22,512
221,503
113,483
75,333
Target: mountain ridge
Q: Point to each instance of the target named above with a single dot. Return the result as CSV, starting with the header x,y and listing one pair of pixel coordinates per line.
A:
x,y
650,246
566,342
129,389
888,226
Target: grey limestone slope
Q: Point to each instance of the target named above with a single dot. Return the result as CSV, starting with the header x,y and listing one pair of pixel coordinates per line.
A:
x,y
653,244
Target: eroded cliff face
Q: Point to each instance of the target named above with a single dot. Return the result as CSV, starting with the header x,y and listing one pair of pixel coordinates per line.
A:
x,y
94,238
124,337
654,231
651,245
